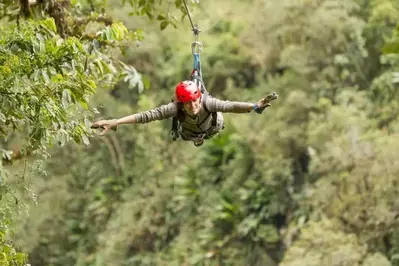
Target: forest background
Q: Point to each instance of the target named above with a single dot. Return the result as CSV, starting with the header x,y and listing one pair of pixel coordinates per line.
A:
x,y
311,182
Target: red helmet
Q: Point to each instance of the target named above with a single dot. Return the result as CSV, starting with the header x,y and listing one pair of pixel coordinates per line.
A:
x,y
187,91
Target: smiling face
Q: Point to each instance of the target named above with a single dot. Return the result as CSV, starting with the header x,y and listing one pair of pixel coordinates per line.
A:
x,y
193,107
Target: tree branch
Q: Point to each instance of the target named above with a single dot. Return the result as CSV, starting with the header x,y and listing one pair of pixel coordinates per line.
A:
x,y
25,8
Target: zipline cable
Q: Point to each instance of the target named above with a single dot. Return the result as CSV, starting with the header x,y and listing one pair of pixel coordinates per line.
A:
x,y
194,27
196,49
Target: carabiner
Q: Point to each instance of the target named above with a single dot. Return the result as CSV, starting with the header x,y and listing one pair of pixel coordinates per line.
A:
x,y
196,48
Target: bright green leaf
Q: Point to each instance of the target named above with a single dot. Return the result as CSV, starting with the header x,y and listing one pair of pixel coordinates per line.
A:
x,y
84,105
50,24
146,81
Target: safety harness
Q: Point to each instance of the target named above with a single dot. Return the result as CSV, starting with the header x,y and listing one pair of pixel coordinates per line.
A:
x,y
196,77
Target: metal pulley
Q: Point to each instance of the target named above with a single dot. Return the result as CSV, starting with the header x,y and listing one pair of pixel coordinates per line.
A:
x,y
196,46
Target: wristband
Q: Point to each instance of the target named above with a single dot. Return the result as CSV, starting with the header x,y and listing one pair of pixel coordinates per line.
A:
x,y
256,108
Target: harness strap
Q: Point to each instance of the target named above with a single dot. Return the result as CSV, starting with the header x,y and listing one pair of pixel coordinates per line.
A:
x,y
214,114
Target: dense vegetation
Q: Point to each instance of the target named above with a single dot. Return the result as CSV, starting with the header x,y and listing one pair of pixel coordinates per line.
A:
x,y
313,181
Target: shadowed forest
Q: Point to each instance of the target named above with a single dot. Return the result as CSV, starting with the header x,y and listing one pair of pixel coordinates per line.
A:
x,y
313,181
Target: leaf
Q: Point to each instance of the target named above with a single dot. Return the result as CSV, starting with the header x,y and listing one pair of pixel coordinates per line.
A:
x,y
105,66
92,84
66,98
36,46
161,17
45,76
84,105
173,24
119,30
131,83
251,184
140,87
77,139
395,78
178,3
228,205
21,258
2,117
115,34
59,42
301,220
50,24
108,34
96,44
39,37
148,13
42,46
86,140
146,81
391,48
73,65
99,67
75,47
7,155
87,122
164,24
52,70
268,233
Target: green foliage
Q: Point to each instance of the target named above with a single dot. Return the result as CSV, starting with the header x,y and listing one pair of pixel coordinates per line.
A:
x,y
8,8
156,10
46,82
8,253
310,182
46,93
324,243
48,75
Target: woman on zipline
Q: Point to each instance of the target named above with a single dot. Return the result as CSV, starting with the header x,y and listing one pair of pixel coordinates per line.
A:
x,y
196,115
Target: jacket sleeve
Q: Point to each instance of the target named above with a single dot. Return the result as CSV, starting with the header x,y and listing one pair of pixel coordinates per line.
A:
x,y
216,105
162,112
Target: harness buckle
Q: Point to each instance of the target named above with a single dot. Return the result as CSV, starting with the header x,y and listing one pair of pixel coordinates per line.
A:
x,y
175,136
199,140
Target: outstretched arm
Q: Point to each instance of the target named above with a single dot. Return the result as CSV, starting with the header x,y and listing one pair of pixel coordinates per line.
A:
x,y
159,113
216,105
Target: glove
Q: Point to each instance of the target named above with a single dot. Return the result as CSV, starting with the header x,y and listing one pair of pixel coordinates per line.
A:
x,y
263,103
106,125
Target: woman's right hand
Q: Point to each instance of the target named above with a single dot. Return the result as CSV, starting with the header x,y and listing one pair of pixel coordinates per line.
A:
x,y
106,125
264,103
